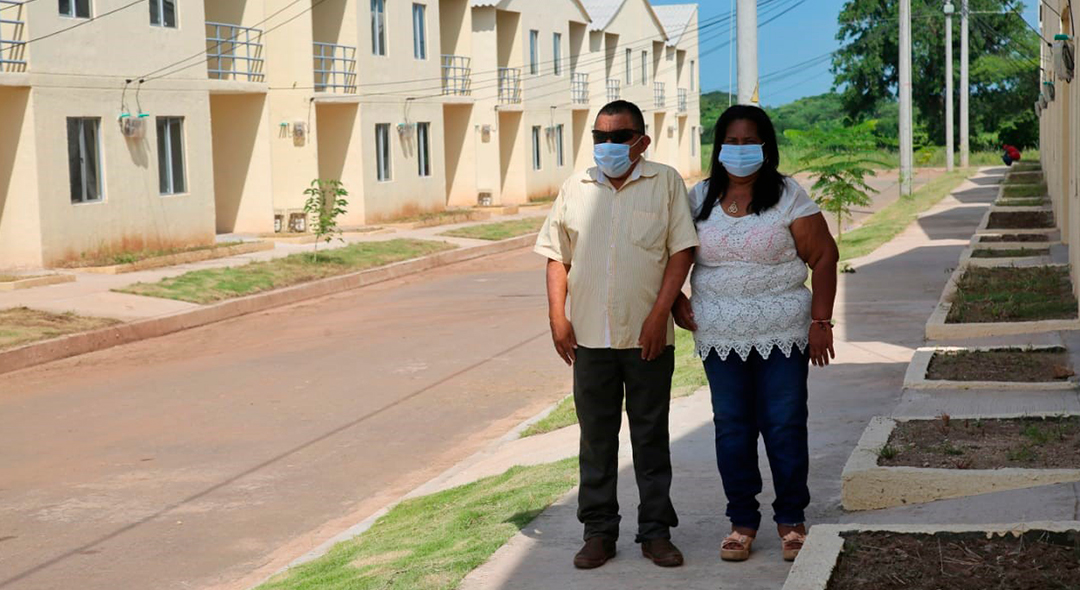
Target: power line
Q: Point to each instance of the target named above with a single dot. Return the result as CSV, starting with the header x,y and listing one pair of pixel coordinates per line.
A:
x,y
75,26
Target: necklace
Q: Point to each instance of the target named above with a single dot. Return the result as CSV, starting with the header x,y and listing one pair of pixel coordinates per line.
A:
x,y
734,207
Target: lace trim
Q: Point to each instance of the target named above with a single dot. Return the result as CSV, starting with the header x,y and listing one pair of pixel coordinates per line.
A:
x,y
763,347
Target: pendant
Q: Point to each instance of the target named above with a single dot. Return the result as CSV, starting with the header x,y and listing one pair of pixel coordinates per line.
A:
x,y
734,208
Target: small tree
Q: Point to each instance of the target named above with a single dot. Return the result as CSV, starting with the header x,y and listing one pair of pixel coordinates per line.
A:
x,y
839,159
326,202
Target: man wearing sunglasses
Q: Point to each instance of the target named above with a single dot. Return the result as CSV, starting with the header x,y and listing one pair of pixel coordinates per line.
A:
x,y
619,241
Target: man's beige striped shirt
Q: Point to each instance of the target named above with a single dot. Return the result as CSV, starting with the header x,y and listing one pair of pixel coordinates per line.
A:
x,y
617,243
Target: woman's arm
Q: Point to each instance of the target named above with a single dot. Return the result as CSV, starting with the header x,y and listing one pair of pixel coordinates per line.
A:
x,y
817,248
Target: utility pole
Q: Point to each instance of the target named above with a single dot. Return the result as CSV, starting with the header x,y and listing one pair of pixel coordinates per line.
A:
x,y
965,92
748,52
907,141
950,148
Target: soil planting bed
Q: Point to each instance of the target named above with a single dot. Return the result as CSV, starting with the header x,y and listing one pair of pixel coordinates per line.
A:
x,y
1017,253
882,560
945,443
1020,220
1014,238
1021,203
1013,294
1015,365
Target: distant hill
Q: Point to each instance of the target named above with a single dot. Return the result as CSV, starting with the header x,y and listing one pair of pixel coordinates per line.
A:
x,y
800,114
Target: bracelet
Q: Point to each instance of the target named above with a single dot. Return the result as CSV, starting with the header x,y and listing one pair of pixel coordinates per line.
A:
x,y
822,323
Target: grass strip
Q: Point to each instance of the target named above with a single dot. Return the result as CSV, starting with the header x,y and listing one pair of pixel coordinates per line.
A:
x,y
1017,253
1013,294
433,542
689,376
1024,202
1022,191
22,325
140,255
218,284
502,230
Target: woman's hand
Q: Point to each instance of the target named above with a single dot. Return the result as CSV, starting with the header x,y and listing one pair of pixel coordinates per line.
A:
x,y
683,313
821,344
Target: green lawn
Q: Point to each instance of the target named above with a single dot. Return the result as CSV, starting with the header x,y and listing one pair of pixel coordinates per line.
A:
x,y
1013,294
218,284
501,230
1024,191
118,258
433,542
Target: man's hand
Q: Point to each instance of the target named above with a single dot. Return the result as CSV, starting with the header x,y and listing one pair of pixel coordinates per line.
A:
x,y
653,339
562,333
684,313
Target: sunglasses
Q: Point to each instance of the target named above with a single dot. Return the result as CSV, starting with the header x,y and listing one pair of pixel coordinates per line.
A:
x,y
617,136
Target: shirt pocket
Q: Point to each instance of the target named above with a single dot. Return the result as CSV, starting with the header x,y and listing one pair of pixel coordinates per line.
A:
x,y
648,230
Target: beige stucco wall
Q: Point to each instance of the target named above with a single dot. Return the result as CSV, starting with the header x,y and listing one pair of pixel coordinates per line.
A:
x,y
20,220
241,149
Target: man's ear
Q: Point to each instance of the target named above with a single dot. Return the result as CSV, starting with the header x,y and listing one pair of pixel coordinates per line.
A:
x,y
644,144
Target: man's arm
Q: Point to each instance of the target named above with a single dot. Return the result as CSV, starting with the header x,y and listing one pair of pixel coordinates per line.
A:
x,y
653,338
562,332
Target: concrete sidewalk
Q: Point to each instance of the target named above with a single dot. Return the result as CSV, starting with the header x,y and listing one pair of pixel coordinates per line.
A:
x,y
881,312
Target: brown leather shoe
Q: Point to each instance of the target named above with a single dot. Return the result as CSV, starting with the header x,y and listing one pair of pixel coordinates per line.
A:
x,y
662,552
596,552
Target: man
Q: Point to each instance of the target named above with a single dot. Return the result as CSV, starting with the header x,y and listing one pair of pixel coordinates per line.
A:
x,y
620,240
1011,154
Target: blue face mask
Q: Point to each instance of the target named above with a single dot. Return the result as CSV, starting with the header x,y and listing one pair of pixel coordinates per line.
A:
x,y
742,160
613,159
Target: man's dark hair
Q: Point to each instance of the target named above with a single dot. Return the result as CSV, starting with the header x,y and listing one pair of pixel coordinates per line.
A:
x,y
625,107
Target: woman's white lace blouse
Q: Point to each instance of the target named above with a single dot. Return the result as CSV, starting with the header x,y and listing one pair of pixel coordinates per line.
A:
x,y
749,284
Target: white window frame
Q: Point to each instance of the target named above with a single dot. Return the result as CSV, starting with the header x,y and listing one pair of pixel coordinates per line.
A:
x,y
629,67
383,158
538,163
378,27
171,181
84,149
560,153
160,5
644,68
534,52
73,9
419,18
556,56
423,149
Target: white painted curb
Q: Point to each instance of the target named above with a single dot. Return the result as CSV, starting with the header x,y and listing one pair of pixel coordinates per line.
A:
x,y
920,364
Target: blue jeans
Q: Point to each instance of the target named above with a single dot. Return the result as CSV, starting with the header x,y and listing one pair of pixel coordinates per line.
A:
x,y
766,397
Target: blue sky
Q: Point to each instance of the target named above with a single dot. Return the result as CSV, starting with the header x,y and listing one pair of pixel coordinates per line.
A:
x,y
806,32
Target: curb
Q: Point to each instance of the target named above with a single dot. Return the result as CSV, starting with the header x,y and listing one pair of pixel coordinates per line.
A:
x,y
916,378
37,282
86,342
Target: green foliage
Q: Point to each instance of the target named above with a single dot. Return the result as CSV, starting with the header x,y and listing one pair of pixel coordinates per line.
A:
x,y
839,159
326,202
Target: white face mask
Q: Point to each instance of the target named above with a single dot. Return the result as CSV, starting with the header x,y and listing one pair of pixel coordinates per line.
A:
x,y
742,160
613,159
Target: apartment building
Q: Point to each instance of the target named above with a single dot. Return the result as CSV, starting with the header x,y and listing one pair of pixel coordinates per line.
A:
x,y
161,123
1059,122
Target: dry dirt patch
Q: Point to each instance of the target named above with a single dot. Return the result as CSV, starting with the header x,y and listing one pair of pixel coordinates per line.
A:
x,y
1016,365
21,325
1021,220
1013,294
1014,238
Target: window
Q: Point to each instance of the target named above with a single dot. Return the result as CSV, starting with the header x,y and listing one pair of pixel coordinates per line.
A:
x,y
163,13
170,144
75,8
644,68
84,161
693,141
629,67
378,27
382,151
560,155
536,148
423,143
557,53
534,52
419,13
692,77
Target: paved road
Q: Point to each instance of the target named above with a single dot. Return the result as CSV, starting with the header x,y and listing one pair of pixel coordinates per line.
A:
x,y
194,460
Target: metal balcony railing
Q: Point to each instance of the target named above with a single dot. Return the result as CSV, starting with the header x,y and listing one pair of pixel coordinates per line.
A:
x,y
684,100
614,90
509,85
335,68
658,95
12,33
456,75
579,88
234,52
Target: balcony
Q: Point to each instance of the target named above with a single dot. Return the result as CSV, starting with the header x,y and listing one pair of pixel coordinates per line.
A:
x,y
456,75
579,88
335,68
234,52
12,33
684,100
614,90
509,85
658,95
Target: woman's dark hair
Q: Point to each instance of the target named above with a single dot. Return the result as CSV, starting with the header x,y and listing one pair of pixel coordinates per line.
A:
x,y
769,184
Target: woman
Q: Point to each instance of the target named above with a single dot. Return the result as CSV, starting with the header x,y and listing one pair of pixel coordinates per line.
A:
x,y
756,325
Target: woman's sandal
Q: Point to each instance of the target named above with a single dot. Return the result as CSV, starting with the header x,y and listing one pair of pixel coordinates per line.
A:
x,y
792,543
736,547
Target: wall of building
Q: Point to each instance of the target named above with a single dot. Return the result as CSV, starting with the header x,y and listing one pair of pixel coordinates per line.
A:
x,y
20,219
241,139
